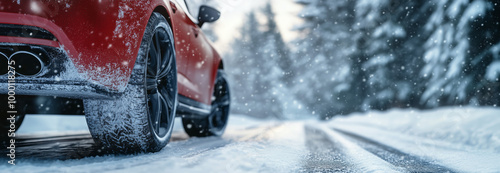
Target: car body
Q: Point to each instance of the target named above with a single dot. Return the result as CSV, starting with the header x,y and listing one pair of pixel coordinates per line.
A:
x,y
100,41
102,52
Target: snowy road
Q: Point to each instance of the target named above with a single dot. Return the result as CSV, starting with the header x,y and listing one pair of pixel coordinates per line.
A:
x,y
352,144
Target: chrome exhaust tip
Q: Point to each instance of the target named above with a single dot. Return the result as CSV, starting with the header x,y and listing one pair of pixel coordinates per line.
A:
x,y
27,64
3,62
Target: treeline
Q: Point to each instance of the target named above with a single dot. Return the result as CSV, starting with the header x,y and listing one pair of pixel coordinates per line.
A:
x,y
359,55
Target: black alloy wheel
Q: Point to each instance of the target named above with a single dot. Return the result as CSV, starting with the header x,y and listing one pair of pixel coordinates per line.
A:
x,y
215,123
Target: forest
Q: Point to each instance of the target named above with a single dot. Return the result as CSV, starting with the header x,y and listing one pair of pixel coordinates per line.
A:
x,y
359,55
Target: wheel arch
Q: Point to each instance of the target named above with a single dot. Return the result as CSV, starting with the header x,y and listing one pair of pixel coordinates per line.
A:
x,y
165,13
217,65
221,65
162,9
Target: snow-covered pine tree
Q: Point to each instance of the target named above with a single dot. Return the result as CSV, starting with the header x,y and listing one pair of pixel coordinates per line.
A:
x,y
388,52
463,46
322,54
483,64
240,65
259,66
283,75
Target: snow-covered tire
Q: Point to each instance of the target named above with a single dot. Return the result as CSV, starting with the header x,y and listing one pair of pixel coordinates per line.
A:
x,y
215,123
142,118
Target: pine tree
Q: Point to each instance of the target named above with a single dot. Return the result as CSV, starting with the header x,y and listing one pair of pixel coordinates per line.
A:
x,y
241,65
388,66
322,55
389,54
459,52
283,57
261,66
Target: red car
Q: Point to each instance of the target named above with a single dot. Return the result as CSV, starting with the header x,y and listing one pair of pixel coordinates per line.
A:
x,y
135,64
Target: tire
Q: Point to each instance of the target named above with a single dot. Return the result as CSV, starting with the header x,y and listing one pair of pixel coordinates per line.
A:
x,y
142,118
215,123
5,124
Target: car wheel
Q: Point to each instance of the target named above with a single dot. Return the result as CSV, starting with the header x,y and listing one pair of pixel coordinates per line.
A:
x,y
5,124
215,123
141,119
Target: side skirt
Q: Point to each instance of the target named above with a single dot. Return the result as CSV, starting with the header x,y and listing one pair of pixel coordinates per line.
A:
x,y
192,108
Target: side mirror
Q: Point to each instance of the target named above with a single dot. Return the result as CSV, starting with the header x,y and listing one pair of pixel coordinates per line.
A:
x,y
207,14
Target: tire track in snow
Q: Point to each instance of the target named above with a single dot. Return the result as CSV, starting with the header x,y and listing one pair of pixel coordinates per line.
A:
x,y
361,159
324,155
395,157
455,156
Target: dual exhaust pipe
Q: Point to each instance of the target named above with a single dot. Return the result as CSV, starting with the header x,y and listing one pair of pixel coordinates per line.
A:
x,y
25,64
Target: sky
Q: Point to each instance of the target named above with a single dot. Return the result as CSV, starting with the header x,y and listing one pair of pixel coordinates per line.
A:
x,y
233,15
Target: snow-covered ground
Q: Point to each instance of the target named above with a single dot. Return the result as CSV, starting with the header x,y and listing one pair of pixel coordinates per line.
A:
x,y
446,139
249,145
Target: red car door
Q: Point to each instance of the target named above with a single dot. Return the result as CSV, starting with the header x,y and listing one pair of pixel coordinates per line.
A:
x,y
200,65
195,57
181,29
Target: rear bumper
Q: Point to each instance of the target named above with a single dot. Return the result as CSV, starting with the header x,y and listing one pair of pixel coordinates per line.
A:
x,y
59,76
95,53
